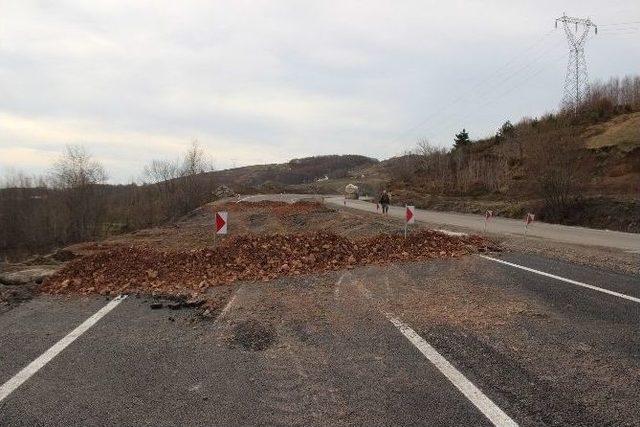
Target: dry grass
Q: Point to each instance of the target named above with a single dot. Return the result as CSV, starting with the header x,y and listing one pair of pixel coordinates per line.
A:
x,y
622,132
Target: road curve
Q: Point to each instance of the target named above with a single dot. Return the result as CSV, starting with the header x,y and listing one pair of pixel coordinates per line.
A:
x,y
629,242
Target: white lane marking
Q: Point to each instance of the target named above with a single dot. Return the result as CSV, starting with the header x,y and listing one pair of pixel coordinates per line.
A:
x,y
452,233
7,388
573,282
245,198
228,306
490,410
485,405
336,288
232,301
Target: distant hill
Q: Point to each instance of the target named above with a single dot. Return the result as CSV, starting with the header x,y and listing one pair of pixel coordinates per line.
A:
x,y
297,171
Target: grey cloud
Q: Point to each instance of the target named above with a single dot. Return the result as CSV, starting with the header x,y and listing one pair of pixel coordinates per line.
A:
x,y
273,80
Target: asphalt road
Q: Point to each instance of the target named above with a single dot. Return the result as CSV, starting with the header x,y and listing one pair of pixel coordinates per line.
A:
x,y
629,242
137,366
558,233
321,350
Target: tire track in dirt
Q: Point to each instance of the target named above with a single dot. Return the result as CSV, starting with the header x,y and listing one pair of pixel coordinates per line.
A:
x,y
478,326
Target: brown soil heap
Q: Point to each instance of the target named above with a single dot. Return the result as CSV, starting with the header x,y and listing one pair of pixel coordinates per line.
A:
x,y
245,257
276,208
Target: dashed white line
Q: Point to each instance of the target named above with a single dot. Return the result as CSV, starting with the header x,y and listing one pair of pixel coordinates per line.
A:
x,y
7,388
563,279
485,405
244,199
227,306
452,233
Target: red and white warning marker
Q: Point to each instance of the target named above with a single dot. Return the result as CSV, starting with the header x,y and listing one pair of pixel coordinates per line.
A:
x,y
487,217
409,217
221,222
528,219
410,214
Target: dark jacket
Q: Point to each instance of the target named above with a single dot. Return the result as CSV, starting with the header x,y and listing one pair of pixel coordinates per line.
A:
x,y
384,199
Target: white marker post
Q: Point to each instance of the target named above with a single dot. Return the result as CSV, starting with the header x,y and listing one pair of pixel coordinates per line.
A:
x,y
528,220
487,217
410,218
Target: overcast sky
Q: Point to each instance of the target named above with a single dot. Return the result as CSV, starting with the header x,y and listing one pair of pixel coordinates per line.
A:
x,y
266,81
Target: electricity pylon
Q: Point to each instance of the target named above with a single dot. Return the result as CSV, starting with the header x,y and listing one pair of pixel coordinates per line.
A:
x,y
577,80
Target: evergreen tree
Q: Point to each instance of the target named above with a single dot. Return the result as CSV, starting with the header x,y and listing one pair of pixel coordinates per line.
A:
x,y
507,130
461,139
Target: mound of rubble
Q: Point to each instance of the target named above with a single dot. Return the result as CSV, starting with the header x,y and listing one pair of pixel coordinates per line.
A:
x,y
278,209
139,270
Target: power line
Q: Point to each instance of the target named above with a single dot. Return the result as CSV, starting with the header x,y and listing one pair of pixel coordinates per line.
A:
x,y
520,76
525,67
621,36
491,100
626,31
619,23
464,95
530,76
576,79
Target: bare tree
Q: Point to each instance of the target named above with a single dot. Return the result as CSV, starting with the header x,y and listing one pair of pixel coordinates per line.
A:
x,y
25,214
559,172
615,96
158,171
19,179
196,185
196,160
78,176
181,185
435,165
75,168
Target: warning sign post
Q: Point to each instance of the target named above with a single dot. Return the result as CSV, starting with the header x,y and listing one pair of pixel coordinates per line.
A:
x,y
487,217
528,220
409,218
221,222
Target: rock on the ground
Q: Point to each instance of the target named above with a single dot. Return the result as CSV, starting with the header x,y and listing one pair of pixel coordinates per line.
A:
x,y
188,275
32,274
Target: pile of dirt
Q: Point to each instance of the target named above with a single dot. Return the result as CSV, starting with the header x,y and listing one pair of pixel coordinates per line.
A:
x,y
196,229
248,257
278,209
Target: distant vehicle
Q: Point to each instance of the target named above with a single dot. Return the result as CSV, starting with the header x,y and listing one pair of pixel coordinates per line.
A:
x,y
351,192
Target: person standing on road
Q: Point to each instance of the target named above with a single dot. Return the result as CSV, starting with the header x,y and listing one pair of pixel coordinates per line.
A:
x,y
384,201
